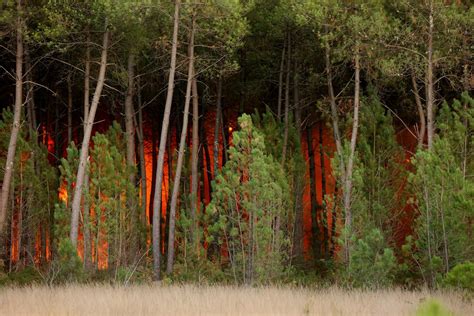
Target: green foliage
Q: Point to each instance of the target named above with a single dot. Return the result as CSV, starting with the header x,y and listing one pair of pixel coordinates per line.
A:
x,y
379,174
432,308
461,277
372,264
33,182
68,267
249,209
445,199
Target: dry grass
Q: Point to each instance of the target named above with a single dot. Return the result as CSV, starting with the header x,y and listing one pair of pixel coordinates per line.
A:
x,y
216,300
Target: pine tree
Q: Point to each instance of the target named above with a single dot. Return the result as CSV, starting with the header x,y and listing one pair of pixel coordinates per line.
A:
x,y
249,206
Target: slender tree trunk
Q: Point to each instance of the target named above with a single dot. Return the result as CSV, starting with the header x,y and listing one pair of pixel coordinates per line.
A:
x,y
182,144
287,101
194,160
86,208
141,153
299,184
161,154
316,244
429,84
421,111
16,119
334,114
347,193
337,137
129,114
324,213
69,109
76,202
217,126
280,80
130,140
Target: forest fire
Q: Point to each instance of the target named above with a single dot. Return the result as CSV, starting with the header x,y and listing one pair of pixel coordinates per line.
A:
x,y
223,141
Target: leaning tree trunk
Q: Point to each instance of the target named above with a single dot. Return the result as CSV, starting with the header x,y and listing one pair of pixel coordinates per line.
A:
x,y
76,202
182,144
16,119
347,193
161,153
421,111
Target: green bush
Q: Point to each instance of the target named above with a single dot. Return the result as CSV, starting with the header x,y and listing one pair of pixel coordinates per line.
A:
x,y
461,277
432,308
372,264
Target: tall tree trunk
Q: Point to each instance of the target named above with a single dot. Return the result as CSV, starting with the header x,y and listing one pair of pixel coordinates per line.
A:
x,y
429,84
161,154
129,114
299,184
315,242
195,160
280,79
347,193
324,213
182,144
130,140
16,118
76,202
141,153
217,125
86,208
287,101
69,109
421,111
334,114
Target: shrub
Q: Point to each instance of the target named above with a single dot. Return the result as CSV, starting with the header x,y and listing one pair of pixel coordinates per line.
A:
x,y
461,277
372,264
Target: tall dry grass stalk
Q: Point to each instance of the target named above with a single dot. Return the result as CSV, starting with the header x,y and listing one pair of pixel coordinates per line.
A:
x,y
217,300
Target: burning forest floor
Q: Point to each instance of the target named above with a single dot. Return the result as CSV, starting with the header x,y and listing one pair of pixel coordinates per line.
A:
x,y
221,300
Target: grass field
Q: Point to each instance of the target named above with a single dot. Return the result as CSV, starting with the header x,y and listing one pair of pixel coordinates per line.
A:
x,y
217,300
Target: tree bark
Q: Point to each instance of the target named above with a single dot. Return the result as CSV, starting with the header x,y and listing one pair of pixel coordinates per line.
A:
x,y
334,114
347,193
421,111
76,202
182,144
131,164
129,115
161,155
16,119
